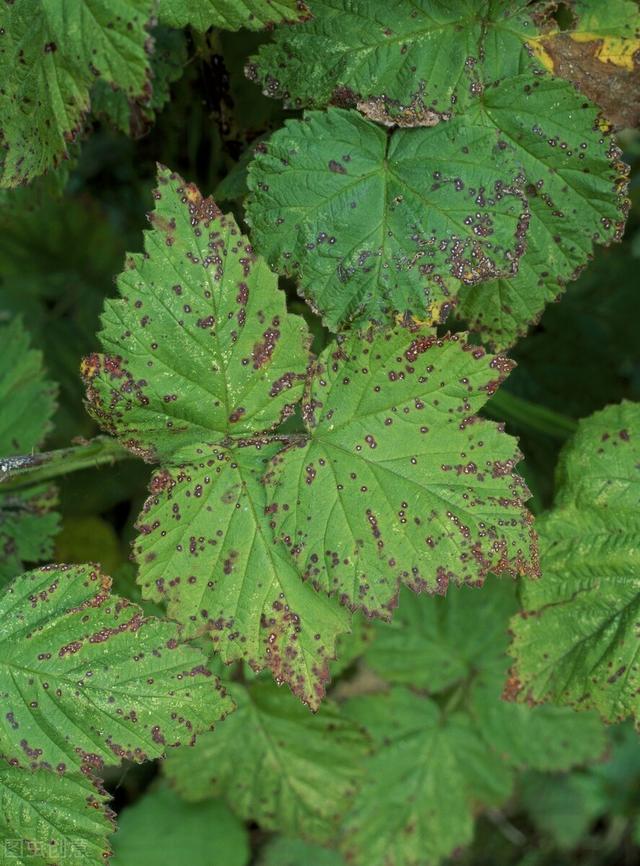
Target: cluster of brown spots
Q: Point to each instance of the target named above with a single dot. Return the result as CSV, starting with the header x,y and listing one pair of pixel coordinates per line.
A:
x,y
263,350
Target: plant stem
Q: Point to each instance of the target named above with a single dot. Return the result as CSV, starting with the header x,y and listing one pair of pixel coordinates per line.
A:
x,y
504,406
33,468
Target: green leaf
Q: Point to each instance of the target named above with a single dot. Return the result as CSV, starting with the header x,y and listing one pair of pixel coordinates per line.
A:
x,y
353,213
275,762
50,56
417,803
575,639
283,851
86,679
440,759
232,14
204,360
47,818
400,481
160,829
410,62
27,520
575,187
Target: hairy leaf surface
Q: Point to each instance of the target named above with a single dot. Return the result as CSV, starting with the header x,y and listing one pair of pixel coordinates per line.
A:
x,y
27,520
51,52
373,224
576,639
400,481
232,14
85,678
275,762
47,818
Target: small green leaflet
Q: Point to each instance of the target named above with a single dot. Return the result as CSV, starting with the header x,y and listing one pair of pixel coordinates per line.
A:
x,y
374,224
407,62
47,818
576,639
161,829
50,56
284,851
438,758
204,360
86,679
276,763
232,14
400,481
27,520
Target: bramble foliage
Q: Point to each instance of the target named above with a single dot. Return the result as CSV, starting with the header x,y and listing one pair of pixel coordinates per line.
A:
x,y
342,637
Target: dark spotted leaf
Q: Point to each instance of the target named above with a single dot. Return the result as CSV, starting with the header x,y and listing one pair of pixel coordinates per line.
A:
x,y
86,679
375,224
161,829
276,763
28,522
576,639
232,14
575,187
204,358
407,62
50,56
47,818
400,481
439,759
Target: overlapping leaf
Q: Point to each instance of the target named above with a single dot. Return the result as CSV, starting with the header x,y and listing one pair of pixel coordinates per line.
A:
x,y
232,14
85,678
576,639
276,763
438,759
28,522
47,818
373,224
408,62
399,480
50,56
205,359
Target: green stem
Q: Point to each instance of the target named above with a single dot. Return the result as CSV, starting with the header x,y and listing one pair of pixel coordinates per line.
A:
x,y
29,469
507,407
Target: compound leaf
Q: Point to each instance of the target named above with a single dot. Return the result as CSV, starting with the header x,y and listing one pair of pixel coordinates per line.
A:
x,y
232,14
276,763
400,481
368,230
204,358
576,639
85,678
50,55
47,818
27,520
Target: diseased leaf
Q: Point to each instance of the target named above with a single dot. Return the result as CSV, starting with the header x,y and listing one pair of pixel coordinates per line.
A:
x,y
86,679
575,640
160,829
575,187
598,52
276,763
28,522
439,759
400,481
204,358
47,818
374,225
50,55
232,14
408,62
